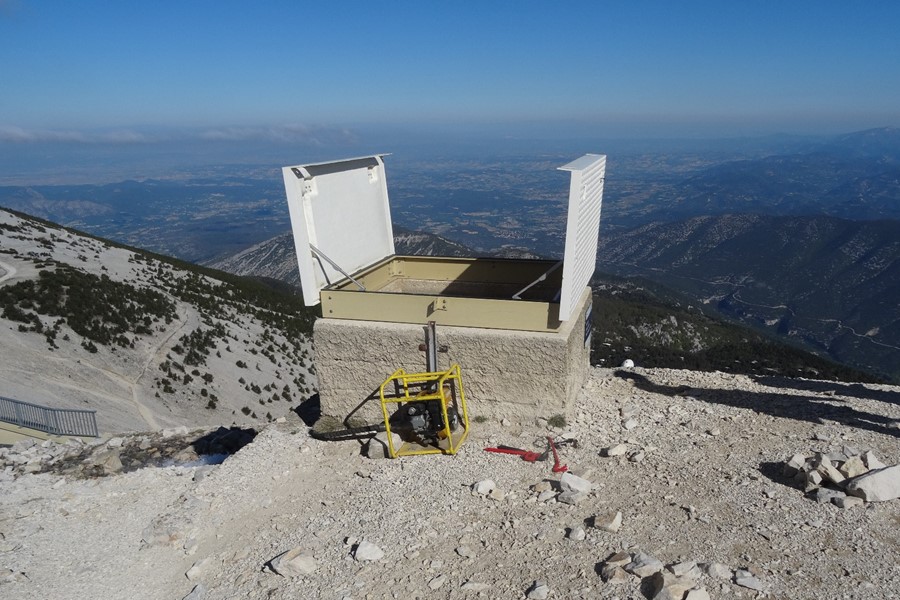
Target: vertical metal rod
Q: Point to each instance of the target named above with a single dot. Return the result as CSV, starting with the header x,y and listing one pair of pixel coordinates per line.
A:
x,y
431,347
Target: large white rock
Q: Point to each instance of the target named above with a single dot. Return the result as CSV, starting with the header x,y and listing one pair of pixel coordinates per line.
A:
x,y
610,522
617,450
746,579
294,563
572,497
877,486
667,586
872,461
717,570
853,467
644,565
198,593
196,570
484,487
573,483
367,551
538,591
614,575
687,569
828,472
794,465
378,445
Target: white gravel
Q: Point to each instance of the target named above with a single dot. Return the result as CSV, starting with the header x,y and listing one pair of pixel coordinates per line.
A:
x,y
695,496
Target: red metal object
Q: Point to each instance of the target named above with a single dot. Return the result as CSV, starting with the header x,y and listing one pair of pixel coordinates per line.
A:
x,y
526,455
557,468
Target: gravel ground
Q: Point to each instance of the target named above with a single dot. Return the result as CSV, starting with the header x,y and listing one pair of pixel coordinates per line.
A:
x,y
700,481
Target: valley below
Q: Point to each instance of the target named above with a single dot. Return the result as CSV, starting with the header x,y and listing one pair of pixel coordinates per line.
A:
x,y
684,484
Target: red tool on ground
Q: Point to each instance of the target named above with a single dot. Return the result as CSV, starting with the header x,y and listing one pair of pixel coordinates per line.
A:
x,y
526,455
557,468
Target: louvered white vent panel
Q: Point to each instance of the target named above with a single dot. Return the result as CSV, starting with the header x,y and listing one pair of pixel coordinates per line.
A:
x,y
341,209
582,228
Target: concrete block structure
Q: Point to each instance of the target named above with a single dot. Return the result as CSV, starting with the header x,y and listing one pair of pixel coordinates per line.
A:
x,y
518,329
512,374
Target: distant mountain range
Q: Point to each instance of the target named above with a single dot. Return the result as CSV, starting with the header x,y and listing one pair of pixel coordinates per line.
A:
x,y
855,176
799,240
194,219
830,284
495,203
276,258
826,284
639,318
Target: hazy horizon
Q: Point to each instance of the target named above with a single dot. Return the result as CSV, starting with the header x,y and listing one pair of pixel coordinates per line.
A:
x,y
95,159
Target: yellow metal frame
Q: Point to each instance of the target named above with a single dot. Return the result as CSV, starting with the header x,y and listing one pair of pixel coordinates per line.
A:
x,y
414,387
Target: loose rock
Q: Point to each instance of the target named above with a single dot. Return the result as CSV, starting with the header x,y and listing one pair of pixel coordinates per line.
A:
x,y
538,591
617,450
294,563
717,570
643,565
378,445
484,487
610,522
573,483
880,485
746,579
367,551
667,586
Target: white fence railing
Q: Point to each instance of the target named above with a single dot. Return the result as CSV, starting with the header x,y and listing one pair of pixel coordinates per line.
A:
x,y
56,421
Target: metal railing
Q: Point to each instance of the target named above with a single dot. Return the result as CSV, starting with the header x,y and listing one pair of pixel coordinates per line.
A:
x,y
55,421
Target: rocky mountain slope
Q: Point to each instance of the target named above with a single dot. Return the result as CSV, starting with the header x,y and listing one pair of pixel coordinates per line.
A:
x,y
276,258
853,176
829,283
145,341
677,468
636,319
654,326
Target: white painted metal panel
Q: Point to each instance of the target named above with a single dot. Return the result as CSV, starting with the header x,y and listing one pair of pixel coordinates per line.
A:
x,y
582,228
339,214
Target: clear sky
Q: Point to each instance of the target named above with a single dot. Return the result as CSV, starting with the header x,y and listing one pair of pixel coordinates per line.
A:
x,y
118,69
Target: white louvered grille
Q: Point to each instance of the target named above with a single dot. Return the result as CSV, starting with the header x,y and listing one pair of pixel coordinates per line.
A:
x,y
582,228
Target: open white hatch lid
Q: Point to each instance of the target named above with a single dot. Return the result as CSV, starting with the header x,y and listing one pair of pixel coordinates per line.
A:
x,y
341,220
340,217
582,228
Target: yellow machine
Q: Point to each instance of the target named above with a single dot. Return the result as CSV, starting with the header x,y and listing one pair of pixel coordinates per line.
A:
x,y
432,408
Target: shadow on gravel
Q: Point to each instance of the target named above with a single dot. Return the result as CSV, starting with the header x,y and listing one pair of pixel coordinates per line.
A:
x,y
774,472
310,410
647,589
224,440
856,390
801,408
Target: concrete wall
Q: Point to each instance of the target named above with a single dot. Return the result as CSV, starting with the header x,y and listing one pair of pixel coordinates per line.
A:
x,y
519,375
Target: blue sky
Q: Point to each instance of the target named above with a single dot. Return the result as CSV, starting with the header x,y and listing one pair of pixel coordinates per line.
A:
x,y
116,70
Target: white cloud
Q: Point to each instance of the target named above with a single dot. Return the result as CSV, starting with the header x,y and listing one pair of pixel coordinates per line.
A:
x,y
315,135
293,133
20,135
